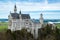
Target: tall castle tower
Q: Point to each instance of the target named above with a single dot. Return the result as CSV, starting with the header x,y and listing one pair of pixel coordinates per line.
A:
x,y
15,9
20,19
41,20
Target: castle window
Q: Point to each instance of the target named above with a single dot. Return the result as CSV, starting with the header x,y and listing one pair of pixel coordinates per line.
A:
x,y
26,23
10,22
30,24
14,23
26,20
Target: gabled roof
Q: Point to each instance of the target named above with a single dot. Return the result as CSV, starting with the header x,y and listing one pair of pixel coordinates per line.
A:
x,y
15,15
25,16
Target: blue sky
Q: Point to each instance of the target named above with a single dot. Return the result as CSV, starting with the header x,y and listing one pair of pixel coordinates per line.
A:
x,y
49,1
49,8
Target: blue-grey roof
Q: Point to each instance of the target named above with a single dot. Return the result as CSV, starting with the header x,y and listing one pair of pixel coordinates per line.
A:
x,y
15,15
35,21
25,16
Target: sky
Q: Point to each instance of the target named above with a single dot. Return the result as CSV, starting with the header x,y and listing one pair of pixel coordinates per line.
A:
x,y
49,8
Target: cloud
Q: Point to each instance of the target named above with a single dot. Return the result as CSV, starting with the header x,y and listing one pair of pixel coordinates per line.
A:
x,y
24,6
53,1
6,7
23,0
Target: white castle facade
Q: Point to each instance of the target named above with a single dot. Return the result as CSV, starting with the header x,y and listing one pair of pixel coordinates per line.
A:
x,y
18,21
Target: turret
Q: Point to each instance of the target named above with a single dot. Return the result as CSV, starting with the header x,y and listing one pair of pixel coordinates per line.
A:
x,y
41,19
15,9
20,14
20,19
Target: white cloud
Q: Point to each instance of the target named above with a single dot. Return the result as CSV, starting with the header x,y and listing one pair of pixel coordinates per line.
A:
x,y
25,6
6,7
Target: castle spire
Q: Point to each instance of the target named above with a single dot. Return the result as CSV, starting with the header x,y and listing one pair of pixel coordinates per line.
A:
x,y
20,12
15,9
41,15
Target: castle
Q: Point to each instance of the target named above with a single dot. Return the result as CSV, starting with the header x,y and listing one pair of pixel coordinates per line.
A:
x,y
18,21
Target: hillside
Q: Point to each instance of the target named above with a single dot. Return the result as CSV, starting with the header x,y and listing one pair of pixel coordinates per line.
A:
x,y
46,33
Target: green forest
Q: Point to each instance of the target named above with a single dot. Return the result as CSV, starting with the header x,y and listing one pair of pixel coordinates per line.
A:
x,y
45,33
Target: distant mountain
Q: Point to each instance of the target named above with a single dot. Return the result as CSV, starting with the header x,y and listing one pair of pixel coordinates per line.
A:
x,y
52,20
36,20
47,20
3,20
